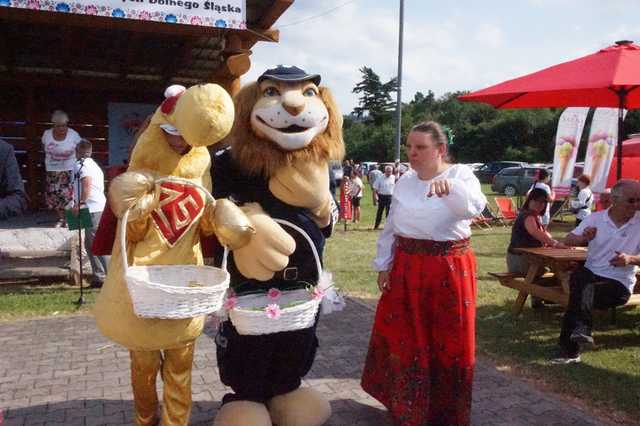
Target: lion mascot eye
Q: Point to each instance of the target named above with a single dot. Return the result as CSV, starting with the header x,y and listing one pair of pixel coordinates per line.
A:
x,y
310,92
271,92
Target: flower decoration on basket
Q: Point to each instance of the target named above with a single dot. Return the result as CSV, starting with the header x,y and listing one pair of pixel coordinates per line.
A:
x,y
274,294
286,309
231,301
273,311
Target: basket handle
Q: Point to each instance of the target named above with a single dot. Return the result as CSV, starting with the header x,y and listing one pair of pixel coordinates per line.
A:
x,y
125,216
306,236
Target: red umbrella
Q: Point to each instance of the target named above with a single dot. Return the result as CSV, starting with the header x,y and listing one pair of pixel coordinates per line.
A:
x,y
607,78
630,161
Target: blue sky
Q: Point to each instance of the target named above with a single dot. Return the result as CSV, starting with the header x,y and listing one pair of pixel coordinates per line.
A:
x,y
448,46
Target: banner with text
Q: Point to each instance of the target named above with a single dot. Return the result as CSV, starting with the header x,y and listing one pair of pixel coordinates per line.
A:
x,y
602,145
207,13
570,126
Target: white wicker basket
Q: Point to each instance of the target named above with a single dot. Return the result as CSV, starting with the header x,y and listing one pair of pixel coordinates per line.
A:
x,y
249,317
173,291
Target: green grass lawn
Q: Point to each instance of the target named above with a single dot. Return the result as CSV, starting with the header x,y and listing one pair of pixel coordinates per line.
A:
x,y
609,375
19,301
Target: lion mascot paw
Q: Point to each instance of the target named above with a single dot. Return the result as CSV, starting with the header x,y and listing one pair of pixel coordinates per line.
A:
x,y
286,130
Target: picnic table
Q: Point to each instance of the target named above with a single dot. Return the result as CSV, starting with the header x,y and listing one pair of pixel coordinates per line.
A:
x,y
558,260
554,287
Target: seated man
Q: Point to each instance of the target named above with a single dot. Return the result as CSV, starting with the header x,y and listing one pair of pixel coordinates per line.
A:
x,y
613,238
13,199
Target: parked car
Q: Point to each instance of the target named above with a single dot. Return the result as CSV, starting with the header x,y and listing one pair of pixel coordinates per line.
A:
x,y
486,173
475,166
366,167
514,181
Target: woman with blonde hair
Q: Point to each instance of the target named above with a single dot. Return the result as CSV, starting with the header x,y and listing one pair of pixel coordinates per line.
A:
x,y
59,145
422,350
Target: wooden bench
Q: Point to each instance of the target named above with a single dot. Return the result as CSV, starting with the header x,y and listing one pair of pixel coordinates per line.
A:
x,y
517,282
552,293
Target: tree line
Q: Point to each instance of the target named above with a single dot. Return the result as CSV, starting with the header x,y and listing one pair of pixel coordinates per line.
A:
x,y
482,133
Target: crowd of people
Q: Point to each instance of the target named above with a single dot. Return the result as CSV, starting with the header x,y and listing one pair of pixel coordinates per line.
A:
x,y
421,356
380,182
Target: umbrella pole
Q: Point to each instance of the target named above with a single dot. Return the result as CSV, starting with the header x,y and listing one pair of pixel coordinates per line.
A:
x,y
622,96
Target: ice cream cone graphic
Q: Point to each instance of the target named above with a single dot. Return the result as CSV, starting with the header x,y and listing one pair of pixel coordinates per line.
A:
x,y
599,152
564,149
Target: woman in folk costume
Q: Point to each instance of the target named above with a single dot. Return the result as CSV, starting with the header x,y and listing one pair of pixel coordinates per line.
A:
x,y
422,350
164,225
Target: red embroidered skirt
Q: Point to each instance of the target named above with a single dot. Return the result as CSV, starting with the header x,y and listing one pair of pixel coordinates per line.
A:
x,y
422,349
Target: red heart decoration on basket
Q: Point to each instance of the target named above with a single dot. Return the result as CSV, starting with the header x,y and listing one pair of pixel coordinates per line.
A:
x,y
180,207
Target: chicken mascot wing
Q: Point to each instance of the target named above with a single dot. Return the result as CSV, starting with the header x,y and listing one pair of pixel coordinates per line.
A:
x,y
164,226
286,130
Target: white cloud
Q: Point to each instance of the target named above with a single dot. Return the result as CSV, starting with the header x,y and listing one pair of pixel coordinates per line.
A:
x,y
490,35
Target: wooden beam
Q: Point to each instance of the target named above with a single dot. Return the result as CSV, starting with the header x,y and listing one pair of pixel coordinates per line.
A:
x,y
87,83
179,55
31,136
274,12
130,45
78,43
68,51
8,47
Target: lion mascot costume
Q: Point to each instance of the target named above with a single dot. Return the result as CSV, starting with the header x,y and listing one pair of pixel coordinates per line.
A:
x,y
164,226
285,132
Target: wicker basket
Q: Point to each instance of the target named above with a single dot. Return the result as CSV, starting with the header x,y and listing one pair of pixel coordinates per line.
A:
x,y
249,317
173,291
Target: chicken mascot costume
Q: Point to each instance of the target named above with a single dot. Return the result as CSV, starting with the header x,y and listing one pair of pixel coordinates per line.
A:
x,y
165,221
286,130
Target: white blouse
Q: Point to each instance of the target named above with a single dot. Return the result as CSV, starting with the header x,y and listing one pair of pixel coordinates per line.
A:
x,y
414,215
60,155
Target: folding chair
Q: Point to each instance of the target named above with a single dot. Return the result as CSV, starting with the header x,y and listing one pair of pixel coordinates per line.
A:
x,y
559,208
506,209
481,222
490,216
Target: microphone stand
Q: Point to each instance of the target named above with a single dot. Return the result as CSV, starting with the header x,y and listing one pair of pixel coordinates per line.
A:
x,y
80,300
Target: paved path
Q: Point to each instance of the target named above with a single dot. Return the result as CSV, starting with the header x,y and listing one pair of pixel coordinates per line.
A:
x,y
62,371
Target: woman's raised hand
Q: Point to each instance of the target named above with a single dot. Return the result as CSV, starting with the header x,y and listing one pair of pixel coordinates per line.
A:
x,y
439,188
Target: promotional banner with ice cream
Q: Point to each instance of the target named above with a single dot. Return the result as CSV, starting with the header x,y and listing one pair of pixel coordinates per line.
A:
x,y
603,139
570,126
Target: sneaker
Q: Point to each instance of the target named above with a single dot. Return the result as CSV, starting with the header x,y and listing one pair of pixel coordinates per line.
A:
x,y
59,224
96,284
581,337
566,360
563,358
